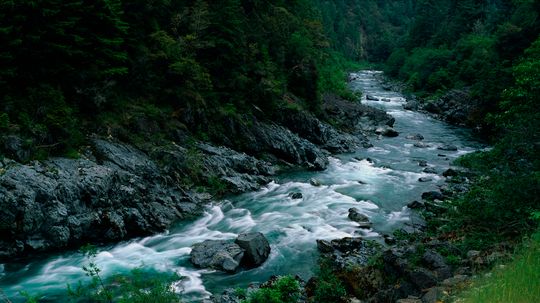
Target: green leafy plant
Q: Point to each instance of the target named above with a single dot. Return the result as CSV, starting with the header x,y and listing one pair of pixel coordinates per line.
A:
x,y
139,286
284,290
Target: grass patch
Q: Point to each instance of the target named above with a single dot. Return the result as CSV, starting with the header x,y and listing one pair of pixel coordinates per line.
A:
x,y
518,281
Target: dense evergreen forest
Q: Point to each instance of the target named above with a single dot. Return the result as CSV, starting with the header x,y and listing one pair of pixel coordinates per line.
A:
x,y
146,72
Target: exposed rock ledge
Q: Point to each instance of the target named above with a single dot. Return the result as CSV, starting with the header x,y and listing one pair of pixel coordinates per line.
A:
x,y
115,191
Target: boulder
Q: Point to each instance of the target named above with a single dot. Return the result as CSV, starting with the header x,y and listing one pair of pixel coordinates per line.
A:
x,y
420,145
386,99
387,131
422,163
450,173
422,278
217,254
415,205
433,295
256,247
371,98
417,137
315,182
425,179
356,216
432,195
430,170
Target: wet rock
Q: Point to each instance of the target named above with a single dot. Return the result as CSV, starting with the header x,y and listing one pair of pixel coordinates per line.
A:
x,y
386,99
411,105
387,131
217,254
415,205
295,195
422,163
430,170
448,147
347,251
371,98
425,179
450,173
356,216
324,246
417,137
315,182
263,138
421,145
432,195
365,225
256,247
354,117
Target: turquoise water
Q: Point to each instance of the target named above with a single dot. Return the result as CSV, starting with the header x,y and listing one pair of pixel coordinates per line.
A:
x,y
292,226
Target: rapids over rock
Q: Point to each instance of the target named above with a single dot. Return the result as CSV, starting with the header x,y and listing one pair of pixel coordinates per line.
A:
x,y
378,182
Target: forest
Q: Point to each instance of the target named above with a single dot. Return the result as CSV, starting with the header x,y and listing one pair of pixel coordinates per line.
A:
x,y
148,73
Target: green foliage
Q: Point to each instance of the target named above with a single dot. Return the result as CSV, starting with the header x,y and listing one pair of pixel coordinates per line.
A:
x,y
139,286
329,288
513,282
284,290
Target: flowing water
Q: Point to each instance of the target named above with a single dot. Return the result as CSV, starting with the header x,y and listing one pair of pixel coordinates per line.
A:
x,y
381,190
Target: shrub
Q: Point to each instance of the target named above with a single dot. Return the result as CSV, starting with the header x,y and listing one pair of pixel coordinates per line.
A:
x,y
284,290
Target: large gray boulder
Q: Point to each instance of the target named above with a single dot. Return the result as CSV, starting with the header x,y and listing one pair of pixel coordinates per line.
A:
x,y
217,254
256,246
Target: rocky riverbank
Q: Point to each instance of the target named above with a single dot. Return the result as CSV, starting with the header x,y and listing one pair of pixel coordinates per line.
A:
x,y
115,191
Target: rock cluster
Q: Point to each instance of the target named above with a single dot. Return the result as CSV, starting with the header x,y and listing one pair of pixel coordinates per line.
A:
x,y
248,250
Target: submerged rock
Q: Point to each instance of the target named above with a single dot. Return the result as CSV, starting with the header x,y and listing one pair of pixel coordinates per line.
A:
x,y
448,147
295,195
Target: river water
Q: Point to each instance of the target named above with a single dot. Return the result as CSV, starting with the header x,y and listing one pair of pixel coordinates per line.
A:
x,y
381,190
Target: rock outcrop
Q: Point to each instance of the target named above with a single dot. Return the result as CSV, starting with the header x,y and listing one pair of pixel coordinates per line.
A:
x,y
64,202
249,250
354,117
217,254
257,248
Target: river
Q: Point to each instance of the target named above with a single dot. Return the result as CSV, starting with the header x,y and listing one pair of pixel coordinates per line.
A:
x,y
380,188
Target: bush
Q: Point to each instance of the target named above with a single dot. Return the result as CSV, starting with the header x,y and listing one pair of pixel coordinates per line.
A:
x,y
329,288
284,290
139,286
